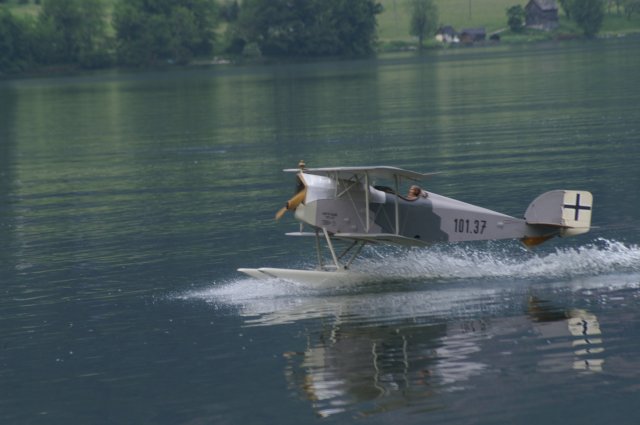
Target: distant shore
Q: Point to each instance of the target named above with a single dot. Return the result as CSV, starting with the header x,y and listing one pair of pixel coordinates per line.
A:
x,y
392,34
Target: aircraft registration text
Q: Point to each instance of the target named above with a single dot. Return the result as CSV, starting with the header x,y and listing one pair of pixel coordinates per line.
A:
x,y
461,225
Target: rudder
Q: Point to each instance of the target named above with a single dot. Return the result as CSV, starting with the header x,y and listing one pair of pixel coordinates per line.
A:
x,y
570,210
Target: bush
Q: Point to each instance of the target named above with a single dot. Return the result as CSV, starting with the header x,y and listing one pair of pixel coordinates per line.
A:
x,y
515,18
588,14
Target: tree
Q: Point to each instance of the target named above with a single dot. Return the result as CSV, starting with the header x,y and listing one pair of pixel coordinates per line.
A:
x,y
229,10
424,19
515,18
355,22
16,38
616,3
589,15
566,6
73,31
305,27
631,7
164,30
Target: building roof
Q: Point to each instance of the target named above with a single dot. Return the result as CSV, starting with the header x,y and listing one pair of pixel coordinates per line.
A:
x,y
446,29
473,31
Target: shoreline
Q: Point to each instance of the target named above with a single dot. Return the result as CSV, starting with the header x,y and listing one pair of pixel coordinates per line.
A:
x,y
389,47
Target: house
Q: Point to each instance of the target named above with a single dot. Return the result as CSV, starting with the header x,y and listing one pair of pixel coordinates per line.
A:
x,y
446,34
472,35
541,14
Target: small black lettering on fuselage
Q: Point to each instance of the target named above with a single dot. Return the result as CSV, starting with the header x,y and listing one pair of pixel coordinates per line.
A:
x,y
328,219
465,225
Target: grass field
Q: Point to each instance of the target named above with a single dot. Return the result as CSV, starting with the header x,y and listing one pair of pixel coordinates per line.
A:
x,y
393,23
20,9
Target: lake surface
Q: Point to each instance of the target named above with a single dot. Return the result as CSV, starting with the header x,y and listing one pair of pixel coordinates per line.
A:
x,y
128,200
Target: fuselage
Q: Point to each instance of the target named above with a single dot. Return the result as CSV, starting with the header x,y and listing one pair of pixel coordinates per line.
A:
x,y
353,207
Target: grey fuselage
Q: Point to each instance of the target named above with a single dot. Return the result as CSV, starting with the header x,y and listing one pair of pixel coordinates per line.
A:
x,y
343,207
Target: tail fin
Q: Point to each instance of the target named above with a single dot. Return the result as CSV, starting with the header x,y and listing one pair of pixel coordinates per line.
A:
x,y
570,210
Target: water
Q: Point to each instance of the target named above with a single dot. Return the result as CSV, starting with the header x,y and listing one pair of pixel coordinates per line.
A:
x,y
128,200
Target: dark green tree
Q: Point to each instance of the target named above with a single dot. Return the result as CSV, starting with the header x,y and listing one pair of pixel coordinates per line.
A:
x,y
229,10
73,31
16,39
589,15
616,3
566,7
630,7
151,32
424,19
356,24
306,27
515,18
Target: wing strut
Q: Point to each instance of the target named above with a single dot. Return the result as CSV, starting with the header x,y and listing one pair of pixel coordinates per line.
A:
x,y
358,244
397,190
355,254
366,200
330,245
320,262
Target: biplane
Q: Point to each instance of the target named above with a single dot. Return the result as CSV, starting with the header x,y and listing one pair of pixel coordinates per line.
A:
x,y
347,204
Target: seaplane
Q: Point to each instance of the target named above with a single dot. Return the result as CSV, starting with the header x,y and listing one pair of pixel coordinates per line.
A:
x,y
348,206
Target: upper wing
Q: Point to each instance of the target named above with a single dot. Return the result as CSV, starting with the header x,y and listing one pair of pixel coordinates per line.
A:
x,y
375,171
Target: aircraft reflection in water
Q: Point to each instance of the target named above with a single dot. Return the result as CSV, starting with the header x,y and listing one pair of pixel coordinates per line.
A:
x,y
573,331
382,368
368,369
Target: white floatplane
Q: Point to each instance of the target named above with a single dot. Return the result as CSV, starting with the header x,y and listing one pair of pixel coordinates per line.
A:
x,y
343,204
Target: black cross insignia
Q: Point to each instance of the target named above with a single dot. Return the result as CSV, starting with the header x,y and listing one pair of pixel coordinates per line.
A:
x,y
577,207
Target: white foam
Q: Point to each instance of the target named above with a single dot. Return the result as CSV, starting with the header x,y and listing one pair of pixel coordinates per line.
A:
x,y
467,280
443,263
458,261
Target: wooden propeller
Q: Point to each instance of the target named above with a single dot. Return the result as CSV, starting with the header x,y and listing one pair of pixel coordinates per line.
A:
x,y
292,203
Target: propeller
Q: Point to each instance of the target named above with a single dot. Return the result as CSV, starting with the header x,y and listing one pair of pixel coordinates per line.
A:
x,y
292,203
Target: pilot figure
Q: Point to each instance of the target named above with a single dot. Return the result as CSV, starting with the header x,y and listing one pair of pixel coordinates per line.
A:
x,y
416,192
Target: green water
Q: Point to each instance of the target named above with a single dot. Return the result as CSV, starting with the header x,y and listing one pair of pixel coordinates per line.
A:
x,y
128,200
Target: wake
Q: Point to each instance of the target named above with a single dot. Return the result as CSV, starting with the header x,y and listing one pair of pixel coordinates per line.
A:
x,y
462,262
449,263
